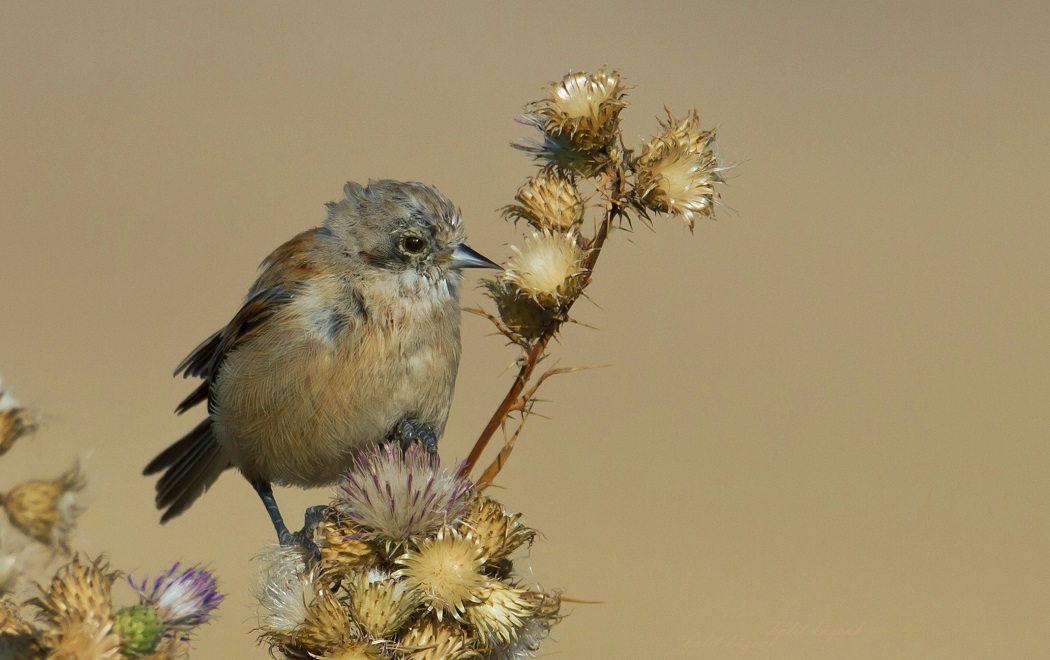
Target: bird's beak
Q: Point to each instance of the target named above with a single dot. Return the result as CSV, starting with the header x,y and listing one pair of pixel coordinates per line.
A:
x,y
465,257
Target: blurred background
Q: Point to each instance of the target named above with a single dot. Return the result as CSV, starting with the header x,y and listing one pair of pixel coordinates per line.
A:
x,y
824,430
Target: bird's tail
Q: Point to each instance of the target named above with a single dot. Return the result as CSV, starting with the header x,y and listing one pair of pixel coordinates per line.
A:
x,y
190,466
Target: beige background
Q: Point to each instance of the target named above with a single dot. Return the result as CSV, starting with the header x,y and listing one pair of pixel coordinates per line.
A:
x,y
825,431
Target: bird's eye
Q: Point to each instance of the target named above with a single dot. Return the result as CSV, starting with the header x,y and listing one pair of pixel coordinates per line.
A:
x,y
413,244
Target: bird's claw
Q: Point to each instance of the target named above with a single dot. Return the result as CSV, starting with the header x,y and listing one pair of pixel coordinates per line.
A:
x,y
409,431
304,538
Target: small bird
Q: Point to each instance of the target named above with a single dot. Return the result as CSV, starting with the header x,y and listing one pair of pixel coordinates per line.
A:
x,y
348,338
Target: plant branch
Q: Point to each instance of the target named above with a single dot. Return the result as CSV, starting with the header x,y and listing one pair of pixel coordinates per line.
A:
x,y
615,209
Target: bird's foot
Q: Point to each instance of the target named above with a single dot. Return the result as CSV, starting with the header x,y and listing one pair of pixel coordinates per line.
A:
x,y
305,536
410,430
304,539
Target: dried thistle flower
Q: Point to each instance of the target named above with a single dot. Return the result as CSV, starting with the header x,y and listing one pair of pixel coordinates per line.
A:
x,y
524,317
445,570
78,589
183,599
548,201
80,639
327,625
430,639
580,120
500,612
531,635
342,542
396,495
549,270
285,588
46,510
16,421
678,170
79,612
499,533
11,623
379,603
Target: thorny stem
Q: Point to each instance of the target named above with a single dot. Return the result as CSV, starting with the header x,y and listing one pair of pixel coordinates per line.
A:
x,y
614,210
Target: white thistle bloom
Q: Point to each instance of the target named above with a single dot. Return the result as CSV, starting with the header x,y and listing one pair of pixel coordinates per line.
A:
x,y
548,270
285,587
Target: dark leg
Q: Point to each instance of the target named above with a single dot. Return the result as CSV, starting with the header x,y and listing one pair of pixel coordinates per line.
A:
x,y
304,537
410,430
266,495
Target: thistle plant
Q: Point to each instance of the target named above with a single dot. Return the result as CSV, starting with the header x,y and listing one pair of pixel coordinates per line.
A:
x,y
414,563
585,170
74,617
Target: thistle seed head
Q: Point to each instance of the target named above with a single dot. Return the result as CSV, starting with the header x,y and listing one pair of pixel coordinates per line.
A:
x,y
678,170
47,510
445,570
499,533
548,270
379,603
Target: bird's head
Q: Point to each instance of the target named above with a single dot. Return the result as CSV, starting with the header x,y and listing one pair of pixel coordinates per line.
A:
x,y
409,231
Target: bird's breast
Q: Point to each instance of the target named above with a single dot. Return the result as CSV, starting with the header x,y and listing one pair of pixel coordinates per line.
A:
x,y
322,380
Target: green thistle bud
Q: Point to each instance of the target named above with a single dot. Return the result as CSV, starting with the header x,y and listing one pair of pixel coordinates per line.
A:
x,y
140,627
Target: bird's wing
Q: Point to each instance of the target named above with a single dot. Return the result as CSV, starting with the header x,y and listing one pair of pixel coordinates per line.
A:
x,y
276,286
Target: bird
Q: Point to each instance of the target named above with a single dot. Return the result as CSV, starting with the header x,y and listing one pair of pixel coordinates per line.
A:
x,y
348,338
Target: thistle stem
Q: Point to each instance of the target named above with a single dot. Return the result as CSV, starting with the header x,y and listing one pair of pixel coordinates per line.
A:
x,y
538,346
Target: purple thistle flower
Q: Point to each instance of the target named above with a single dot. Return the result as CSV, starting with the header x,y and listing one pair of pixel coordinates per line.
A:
x,y
398,495
184,599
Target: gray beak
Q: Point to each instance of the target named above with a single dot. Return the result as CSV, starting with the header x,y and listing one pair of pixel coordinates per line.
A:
x,y
464,257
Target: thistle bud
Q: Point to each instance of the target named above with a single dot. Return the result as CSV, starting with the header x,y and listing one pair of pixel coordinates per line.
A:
x,y
522,315
498,532
342,542
46,510
548,201
140,628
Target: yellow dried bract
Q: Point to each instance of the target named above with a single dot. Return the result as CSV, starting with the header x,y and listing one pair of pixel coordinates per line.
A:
x,y
500,612
340,544
46,510
327,624
11,622
445,570
78,590
548,200
78,608
430,639
79,639
499,533
15,423
379,603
